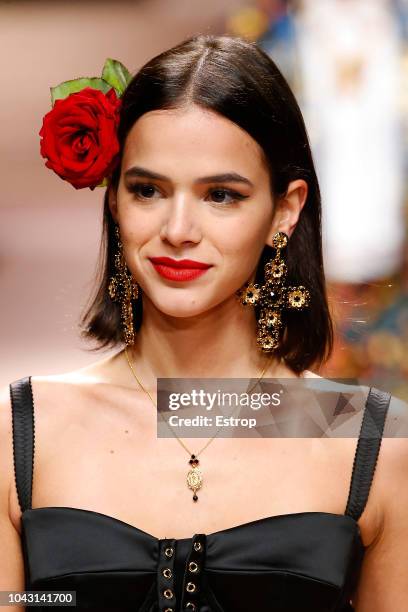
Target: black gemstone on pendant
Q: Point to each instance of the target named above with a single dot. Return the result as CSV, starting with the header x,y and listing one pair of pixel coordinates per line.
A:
x,y
195,497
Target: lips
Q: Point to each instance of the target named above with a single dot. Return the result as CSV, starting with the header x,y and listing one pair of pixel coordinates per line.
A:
x,y
188,264
179,270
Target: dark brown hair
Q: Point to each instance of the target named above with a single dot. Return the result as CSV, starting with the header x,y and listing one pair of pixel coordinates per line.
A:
x,y
237,79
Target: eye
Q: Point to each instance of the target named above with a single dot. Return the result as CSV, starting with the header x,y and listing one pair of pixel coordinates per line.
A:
x,y
143,191
234,196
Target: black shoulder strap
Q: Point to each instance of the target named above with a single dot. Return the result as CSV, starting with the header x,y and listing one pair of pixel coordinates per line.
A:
x,y
368,446
22,405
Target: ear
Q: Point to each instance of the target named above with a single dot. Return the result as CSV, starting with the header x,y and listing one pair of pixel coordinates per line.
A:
x,y
288,209
113,203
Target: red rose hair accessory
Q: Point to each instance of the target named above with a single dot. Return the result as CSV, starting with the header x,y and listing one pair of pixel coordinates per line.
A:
x,y
79,134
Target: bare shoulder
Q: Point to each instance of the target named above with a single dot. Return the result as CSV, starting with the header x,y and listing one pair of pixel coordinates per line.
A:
x,y
51,395
54,393
396,424
394,451
6,446
390,473
72,398
383,584
11,558
310,374
98,371
8,495
392,464
65,405
57,398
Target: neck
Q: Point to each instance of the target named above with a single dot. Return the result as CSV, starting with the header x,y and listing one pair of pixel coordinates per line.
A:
x,y
219,343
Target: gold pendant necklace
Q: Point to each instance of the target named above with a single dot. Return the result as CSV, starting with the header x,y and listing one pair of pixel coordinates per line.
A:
x,y
194,476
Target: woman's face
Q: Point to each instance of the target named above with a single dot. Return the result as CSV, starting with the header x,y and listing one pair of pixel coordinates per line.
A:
x,y
170,203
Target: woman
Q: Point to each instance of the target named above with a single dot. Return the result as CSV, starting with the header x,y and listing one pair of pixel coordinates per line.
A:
x,y
215,168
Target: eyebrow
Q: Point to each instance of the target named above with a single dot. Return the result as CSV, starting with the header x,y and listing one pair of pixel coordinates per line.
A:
x,y
226,177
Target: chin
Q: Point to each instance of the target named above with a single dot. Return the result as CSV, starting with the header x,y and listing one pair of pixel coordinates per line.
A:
x,y
183,302
179,306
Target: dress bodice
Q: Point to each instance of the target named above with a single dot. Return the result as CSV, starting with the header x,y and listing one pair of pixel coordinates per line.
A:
x,y
307,561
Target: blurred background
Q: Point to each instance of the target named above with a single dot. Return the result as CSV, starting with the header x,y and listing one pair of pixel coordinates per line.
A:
x,y
347,62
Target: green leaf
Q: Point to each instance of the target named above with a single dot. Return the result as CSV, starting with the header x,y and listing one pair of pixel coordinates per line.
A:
x,y
104,183
63,90
116,74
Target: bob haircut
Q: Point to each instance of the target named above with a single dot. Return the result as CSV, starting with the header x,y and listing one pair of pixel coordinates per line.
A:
x,y
235,78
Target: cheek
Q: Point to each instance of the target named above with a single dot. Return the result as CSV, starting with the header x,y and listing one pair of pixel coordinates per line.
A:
x,y
138,225
246,229
244,239
242,236
133,238
136,228
241,246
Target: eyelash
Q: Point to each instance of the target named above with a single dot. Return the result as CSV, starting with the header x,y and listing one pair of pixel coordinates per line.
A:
x,y
234,195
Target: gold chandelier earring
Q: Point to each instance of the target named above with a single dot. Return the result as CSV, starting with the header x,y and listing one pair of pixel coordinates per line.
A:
x,y
273,296
124,289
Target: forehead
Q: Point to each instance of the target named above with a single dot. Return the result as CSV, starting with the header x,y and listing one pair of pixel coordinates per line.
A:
x,y
194,137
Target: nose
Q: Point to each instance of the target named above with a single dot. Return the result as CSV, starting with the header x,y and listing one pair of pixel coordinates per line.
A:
x,y
181,223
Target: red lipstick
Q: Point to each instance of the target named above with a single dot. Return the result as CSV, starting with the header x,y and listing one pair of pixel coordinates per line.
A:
x,y
179,269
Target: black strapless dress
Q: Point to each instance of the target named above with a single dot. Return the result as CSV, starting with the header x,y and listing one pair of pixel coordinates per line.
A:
x,y
300,562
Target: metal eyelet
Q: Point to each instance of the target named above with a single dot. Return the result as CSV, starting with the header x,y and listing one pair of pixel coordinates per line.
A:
x,y
169,551
190,587
197,546
167,572
191,606
193,566
168,593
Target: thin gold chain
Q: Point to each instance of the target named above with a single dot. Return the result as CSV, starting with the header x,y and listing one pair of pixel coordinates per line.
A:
x,y
171,429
